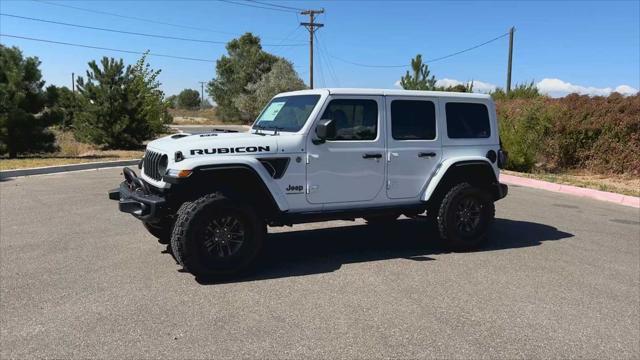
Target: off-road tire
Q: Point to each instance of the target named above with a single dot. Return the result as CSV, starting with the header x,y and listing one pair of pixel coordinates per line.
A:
x,y
449,226
188,237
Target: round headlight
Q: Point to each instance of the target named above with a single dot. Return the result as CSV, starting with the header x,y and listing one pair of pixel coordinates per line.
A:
x,y
162,164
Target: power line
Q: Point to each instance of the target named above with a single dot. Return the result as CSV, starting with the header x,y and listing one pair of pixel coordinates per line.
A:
x,y
109,49
320,67
467,49
426,61
132,32
151,21
134,18
276,5
322,50
258,6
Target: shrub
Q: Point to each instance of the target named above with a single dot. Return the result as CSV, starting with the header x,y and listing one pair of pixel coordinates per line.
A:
x,y
524,126
598,134
520,91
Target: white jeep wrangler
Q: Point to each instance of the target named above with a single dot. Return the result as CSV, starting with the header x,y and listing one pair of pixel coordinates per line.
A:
x,y
317,155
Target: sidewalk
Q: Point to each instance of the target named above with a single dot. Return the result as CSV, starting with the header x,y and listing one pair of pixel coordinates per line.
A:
x,y
572,190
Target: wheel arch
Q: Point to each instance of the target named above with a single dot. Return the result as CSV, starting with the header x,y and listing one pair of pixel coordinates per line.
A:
x,y
476,170
251,183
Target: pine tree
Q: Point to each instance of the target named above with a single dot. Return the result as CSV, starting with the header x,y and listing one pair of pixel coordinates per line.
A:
x,y
419,79
22,127
122,105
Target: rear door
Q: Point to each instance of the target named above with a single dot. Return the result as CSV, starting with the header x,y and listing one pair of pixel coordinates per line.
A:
x,y
414,145
349,167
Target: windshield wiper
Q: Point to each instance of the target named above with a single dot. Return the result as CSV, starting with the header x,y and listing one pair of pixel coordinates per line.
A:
x,y
258,128
276,129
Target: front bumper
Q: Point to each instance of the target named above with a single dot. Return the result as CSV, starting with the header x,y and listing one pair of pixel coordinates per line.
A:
x,y
135,198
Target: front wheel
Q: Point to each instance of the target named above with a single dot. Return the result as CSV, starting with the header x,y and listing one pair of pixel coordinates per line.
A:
x,y
215,236
464,216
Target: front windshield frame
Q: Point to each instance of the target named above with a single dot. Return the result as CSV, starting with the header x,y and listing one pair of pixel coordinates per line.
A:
x,y
260,124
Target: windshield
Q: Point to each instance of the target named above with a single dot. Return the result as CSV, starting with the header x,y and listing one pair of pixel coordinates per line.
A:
x,y
287,113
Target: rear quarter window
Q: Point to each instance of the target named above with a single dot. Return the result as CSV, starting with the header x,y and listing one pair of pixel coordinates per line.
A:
x,y
467,120
413,120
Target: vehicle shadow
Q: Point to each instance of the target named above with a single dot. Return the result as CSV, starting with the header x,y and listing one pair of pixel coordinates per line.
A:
x,y
299,253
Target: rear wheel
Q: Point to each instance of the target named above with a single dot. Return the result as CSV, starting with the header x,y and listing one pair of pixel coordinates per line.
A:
x,y
464,217
215,236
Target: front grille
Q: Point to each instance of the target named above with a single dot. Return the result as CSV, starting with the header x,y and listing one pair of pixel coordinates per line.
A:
x,y
150,164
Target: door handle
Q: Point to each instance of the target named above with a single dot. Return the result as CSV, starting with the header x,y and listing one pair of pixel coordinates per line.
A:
x,y
372,156
426,154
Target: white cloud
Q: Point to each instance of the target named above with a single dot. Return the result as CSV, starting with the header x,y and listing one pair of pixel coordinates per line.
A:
x,y
478,86
559,88
483,87
626,90
448,82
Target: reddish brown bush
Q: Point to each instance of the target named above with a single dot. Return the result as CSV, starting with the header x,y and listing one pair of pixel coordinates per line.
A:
x,y
598,134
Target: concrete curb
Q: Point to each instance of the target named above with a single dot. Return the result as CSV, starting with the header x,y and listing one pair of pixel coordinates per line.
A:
x,y
619,199
64,168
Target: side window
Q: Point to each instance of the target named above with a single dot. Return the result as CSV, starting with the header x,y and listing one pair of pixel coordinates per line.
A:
x,y
413,120
467,121
354,119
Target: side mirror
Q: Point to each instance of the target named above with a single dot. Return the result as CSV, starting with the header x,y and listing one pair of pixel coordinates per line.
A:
x,y
325,129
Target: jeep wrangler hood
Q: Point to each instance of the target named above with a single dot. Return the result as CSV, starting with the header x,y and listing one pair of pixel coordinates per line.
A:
x,y
198,145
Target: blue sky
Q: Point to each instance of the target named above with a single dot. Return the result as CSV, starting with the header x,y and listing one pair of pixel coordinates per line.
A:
x,y
586,46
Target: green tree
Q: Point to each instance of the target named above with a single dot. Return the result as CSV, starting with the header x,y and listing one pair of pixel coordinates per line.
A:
x,y
419,78
171,101
188,99
245,64
464,88
22,100
146,86
281,78
520,91
122,105
62,105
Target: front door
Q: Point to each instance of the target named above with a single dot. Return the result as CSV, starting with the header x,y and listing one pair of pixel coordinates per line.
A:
x,y
414,145
350,166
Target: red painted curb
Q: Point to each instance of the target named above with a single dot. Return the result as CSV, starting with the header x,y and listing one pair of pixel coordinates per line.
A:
x,y
620,199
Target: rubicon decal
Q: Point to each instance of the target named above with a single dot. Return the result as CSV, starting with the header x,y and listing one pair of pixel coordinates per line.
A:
x,y
233,150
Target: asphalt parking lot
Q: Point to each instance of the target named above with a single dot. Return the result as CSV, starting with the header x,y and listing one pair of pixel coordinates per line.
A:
x,y
559,278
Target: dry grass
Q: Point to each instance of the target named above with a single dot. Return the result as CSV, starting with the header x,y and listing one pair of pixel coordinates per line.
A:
x,y
70,152
195,117
626,185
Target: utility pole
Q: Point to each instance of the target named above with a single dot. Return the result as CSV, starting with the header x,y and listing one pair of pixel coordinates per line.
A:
x,y
510,58
73,91
312,26
202,94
